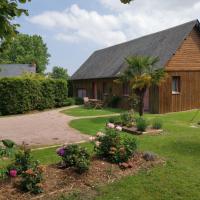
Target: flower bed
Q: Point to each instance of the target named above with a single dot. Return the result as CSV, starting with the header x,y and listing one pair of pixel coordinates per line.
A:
x,y
149,131
135,125
114,156
59,181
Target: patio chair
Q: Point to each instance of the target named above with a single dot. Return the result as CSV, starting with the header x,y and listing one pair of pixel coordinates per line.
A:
x,y
86,102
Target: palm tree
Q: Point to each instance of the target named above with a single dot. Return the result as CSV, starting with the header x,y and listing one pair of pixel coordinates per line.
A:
x,y
142,74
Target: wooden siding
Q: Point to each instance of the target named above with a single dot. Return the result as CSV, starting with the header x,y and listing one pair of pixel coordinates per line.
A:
x,y
189,96
88,85
154,99
112,89
187,56
186,64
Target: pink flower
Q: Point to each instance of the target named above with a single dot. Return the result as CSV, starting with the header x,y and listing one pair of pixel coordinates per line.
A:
x,y
61,151
100,134
97,143
13,172
92,138
118,128
110,125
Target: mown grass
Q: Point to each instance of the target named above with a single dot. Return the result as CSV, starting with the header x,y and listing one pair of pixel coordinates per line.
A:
x,y
179,179
46,156
81,111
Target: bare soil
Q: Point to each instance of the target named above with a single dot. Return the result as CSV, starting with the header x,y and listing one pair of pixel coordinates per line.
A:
x,y
58,181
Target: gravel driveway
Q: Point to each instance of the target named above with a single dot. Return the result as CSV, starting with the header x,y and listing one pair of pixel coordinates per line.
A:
x,y
40,129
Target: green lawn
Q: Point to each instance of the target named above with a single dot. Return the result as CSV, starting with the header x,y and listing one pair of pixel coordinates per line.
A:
x,y
46,156
82,111
179,179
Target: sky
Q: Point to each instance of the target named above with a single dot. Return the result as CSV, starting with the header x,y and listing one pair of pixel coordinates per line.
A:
x,y
74,29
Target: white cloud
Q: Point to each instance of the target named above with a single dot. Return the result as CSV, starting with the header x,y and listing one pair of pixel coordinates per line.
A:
x,y
75,24
125,22
69,38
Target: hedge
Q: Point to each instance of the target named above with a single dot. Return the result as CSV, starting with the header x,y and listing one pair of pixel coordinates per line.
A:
x,y
20,95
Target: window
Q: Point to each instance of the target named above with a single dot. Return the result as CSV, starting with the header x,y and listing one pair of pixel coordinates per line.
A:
x,y
81,93
125,89
176,80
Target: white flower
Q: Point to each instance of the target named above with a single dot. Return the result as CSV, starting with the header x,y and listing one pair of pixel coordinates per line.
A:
x,y
110,125
97,143
118,128
100,134
92,138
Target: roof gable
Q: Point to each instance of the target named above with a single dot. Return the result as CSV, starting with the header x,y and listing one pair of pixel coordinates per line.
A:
x,y
110,62
11,70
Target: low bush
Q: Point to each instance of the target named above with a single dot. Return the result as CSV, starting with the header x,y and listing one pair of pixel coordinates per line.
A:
x,y
79,101
141,124
22,162
114,147
3,174
157,124
7,148
31,179
114,101
69,102
23,94
29,170
127,118
112,120
76,157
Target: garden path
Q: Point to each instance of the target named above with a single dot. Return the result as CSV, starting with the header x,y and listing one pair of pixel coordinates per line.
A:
x,y
41,128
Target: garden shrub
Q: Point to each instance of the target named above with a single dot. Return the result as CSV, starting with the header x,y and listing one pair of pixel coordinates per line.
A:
x,y
29,170
157,124
79,101
69,102
127,118
141,124
114,101
3,174
23,94
31,179
114,147
22,162
7,148
112,120
76,157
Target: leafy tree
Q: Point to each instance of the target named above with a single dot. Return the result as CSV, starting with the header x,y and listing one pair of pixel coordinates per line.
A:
x,y
126,1
142,74
9,10
59,73
26,49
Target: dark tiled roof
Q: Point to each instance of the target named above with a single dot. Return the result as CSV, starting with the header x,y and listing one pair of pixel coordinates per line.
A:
x,y
109,62
10,70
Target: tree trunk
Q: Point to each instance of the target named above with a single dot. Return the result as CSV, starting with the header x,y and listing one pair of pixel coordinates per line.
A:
x,y
141,94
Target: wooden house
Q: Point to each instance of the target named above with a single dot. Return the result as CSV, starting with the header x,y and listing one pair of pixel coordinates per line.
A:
x,y
178,49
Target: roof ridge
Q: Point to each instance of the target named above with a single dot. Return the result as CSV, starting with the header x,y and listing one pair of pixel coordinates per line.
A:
x,y
196,21
109,61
